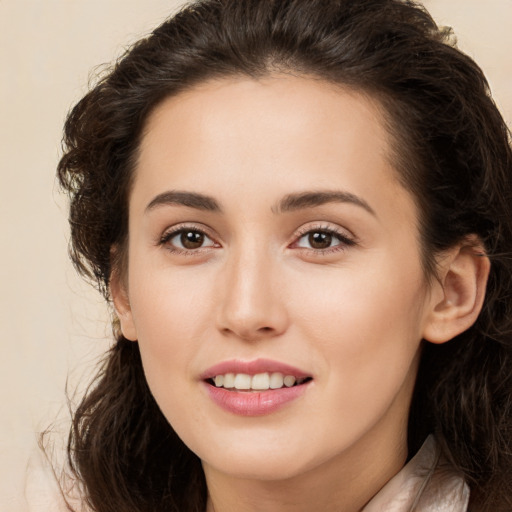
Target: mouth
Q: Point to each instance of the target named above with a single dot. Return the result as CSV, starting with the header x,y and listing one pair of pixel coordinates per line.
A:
x,y
265,381
255,388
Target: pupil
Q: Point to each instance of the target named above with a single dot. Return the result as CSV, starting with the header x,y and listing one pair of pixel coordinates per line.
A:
x,y
192,239
320,240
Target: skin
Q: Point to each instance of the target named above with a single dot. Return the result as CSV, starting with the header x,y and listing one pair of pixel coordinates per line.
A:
x,y
352,316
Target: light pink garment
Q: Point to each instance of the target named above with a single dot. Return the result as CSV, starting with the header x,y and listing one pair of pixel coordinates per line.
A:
x,y
425,484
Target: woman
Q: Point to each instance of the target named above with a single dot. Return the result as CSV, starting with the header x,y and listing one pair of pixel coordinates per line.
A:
x,y
301,213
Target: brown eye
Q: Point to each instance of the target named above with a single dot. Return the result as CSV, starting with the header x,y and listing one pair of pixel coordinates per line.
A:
x,y
192,239
187,240
323,239
320,240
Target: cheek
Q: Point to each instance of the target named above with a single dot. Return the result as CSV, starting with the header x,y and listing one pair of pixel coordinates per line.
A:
x,y
171,311
366,323
168,324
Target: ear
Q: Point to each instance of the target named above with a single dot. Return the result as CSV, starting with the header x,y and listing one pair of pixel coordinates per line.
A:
x,y
458,295
120,298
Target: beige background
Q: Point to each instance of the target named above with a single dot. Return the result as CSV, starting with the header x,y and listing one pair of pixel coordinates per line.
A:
x,y
52,327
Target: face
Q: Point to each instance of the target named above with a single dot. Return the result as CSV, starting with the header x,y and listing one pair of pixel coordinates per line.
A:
x,y
271,245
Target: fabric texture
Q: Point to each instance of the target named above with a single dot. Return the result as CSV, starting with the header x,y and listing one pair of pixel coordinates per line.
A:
x,y
426,484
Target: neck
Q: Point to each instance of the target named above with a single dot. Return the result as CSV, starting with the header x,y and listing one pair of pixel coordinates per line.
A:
x,y
346,482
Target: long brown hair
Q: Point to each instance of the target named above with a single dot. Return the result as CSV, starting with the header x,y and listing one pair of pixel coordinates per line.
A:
x,y
451,148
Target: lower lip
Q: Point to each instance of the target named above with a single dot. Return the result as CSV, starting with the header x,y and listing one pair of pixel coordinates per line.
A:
x,y
256,403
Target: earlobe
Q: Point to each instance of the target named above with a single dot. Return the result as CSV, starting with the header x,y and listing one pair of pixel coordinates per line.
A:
x,y
120,298
463,275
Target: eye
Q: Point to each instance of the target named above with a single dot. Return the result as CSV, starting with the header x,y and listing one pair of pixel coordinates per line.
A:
x,y
317,240
187,239
323,239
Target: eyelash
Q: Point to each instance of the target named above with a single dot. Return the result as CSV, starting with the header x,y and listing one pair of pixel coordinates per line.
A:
x,y
344,240
180,229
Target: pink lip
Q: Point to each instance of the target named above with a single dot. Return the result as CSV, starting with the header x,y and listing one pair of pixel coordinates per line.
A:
x,y
252,368
257,403
253,403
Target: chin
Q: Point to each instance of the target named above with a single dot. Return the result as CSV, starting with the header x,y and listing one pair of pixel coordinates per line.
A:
x,y
261,469
267,460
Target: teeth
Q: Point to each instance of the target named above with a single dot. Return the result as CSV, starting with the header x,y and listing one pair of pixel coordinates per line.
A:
x,y
289,381
229,380
276,380
242,381
258,382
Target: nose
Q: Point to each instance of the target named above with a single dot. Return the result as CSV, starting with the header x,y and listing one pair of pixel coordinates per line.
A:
x,y
251,305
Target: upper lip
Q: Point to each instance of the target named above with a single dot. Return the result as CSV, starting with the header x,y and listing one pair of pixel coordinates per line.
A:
x,y
252,368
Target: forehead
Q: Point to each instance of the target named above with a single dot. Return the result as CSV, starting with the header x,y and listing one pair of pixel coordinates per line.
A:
x,y
277,103
267,135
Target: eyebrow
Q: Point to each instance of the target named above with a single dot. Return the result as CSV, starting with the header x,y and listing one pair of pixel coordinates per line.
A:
x,y
190,199
312,199
290,203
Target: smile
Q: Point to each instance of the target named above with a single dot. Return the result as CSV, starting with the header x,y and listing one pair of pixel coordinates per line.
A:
x,y
254,388
259,382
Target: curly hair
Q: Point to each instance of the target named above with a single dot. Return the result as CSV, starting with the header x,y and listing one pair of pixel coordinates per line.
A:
x,y
451,148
